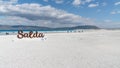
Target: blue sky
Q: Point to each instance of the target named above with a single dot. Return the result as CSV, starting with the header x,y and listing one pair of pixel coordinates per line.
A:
x,y
61,13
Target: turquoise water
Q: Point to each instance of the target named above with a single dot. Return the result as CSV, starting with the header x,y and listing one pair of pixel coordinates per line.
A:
x,y
28,31
12,32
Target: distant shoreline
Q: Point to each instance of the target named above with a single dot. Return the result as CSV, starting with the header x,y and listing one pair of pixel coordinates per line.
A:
x,y
15,32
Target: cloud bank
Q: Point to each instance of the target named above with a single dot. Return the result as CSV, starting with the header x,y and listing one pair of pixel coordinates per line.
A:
x,y
39,15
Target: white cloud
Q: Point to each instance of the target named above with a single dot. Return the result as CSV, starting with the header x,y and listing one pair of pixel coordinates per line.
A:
x,y
45,0
88,1
108,21
115,12
93,5
117,3
104,4
99,10
36,14
76,2
80,2
58,1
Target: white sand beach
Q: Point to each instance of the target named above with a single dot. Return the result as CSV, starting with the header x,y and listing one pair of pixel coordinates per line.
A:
x,y
92,49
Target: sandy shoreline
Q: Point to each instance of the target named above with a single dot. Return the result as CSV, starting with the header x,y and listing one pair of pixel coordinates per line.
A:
x,y
96,49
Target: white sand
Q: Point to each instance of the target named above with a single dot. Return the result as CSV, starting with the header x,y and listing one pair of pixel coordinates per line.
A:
x,y
96,49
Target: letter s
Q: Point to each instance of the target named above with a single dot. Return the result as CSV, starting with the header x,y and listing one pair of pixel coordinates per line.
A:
x,y
20,35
